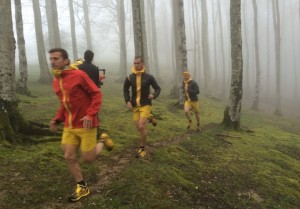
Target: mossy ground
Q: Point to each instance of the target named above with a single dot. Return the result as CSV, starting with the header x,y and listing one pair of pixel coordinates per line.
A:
x,y
216,168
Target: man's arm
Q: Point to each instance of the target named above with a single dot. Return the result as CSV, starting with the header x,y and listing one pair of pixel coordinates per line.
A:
x,y
126,88
156,87
58,118
194,88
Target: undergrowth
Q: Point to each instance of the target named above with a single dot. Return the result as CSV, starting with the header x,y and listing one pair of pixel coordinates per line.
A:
x,y
257,167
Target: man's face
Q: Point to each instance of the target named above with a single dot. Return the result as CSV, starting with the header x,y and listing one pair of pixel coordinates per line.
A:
x,y
57,61
186,76
138,64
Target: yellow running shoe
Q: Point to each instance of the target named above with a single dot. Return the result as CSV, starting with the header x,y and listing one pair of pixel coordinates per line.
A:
x,y
141,153
108,142
81,191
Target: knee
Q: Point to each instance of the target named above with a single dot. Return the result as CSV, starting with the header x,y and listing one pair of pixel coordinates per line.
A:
x,y
142,127
70,158
88,159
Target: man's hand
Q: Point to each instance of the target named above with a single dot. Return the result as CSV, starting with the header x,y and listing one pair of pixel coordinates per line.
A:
x,y
151,96
53,126
101,77
129,105
87,122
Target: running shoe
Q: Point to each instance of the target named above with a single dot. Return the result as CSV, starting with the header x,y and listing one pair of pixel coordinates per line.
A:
x,y
141,153
81,191
108,142
152,120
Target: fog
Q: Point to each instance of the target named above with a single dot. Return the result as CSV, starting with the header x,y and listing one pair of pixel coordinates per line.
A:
x,y
105,39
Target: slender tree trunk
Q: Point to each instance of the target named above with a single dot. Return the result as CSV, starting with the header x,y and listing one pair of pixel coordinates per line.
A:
x,y
196,38
268,50
246,51
45,76
276,23
53,28
199,46
180,47
22,82
216,66
257,59
73,30
87,25
122,40
222,50
139,28
206,53
155,69
232,113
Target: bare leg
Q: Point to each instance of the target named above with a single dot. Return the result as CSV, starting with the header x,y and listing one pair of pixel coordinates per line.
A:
x,y
90,156
187,114
141,126
197,115
72,162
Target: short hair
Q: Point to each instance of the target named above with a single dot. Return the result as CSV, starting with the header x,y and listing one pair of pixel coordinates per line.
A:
x,y
139,57
63,52
88,55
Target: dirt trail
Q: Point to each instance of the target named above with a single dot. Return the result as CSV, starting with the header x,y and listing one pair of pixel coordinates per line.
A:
x,y
112,169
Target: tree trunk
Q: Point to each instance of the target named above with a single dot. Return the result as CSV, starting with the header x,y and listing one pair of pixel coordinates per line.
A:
x,y
224,67
53,28
122,41
196,39
139,31
87,28
45,76
276,23
155,70
22,82
247,86
73,31
180,45
206,53
257,59
232,113
10,120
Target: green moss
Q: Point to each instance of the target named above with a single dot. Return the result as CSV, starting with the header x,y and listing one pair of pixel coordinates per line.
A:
x,y
216,168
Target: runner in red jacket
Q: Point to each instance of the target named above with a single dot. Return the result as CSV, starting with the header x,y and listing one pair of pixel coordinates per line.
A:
x,y
80,101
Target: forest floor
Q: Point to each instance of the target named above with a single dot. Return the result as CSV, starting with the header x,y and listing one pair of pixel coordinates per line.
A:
x,y
257,167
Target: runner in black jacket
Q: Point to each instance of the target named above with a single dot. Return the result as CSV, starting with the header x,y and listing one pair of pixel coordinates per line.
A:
x,y
191,90
140,101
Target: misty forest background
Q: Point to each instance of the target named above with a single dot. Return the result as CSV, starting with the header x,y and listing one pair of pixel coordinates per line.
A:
x,y
243,54
270,43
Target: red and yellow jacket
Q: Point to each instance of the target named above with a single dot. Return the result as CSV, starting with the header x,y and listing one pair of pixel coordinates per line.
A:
x,y
78,96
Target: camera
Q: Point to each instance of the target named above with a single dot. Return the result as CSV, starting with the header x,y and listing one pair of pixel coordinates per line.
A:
x,y
103,71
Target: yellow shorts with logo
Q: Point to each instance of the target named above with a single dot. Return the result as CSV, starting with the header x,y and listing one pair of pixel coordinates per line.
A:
x,y
84,138
141,112
194,105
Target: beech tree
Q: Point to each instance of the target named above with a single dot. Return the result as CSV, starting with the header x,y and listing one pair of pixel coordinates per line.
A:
x,y
45,76
232,113
11,121
122,40
139,30
257,58
276,24
180,47
87,25
53,28
22,83
73,33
